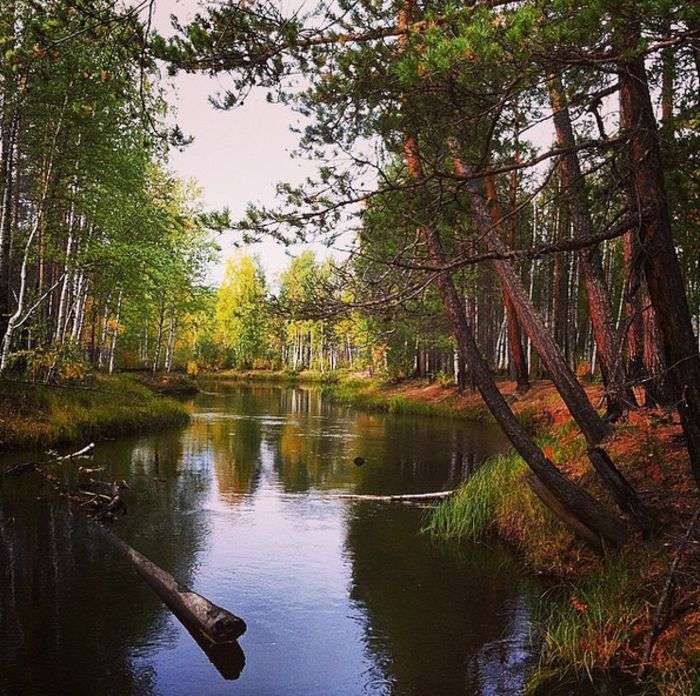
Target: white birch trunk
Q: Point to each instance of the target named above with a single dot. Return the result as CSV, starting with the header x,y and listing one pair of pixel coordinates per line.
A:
x,y
115,333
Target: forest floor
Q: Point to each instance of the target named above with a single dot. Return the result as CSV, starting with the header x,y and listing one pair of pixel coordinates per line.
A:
x,y
604,615
36,415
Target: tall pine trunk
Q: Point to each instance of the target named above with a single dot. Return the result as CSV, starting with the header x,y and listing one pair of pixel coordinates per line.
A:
x,y
487,219
659,260
514,333
619,394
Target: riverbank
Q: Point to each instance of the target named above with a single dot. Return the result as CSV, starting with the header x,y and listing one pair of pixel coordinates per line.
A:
x,y
598,617
280,376
416,397
38,415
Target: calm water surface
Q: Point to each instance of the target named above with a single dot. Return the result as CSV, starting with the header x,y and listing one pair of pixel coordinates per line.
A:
x,y
340,596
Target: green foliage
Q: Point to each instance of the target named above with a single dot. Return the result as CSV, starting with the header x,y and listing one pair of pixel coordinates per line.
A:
x,y
240,315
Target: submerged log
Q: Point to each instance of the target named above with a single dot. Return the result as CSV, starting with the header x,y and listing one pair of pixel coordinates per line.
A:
x,y
84,452
23,468
438,495
200,616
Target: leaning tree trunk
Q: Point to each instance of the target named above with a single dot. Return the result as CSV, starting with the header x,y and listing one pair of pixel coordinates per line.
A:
x,y
585,515
571,391
659,259
487,222
619,394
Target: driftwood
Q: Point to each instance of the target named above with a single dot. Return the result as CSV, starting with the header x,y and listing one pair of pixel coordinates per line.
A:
x,y
24,467
200,616
80,453
438,495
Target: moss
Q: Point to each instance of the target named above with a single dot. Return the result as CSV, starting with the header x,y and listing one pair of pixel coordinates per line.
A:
x,y
35,415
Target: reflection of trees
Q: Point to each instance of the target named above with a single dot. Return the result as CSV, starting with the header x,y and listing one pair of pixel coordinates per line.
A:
x,y
229,432
235,449
316,446
437,623
407,454
72,612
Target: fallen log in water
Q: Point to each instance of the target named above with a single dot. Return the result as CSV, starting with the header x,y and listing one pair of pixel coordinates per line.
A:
x,y
214,629
408,497
200,616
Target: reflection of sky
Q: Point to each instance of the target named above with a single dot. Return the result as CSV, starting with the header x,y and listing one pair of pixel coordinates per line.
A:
x,y
277,561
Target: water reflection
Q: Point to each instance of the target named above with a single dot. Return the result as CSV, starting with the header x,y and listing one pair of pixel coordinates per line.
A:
x,y
340,597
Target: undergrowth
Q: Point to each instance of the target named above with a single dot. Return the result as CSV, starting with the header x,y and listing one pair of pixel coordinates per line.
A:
x,y
587,624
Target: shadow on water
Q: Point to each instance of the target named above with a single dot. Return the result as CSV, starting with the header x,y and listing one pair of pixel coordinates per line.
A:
x,y
340,597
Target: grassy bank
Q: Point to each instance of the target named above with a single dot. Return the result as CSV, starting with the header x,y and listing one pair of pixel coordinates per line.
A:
x,y
597,617
35,415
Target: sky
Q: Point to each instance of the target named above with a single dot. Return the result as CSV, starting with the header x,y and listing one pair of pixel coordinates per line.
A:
x,y
237,156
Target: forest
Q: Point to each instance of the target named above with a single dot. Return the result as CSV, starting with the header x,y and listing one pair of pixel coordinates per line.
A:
x,y
506,196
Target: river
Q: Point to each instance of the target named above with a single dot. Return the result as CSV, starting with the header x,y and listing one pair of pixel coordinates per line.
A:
x,y
341,597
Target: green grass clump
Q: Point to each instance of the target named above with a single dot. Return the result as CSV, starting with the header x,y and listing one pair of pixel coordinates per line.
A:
x,y
497,501
481,501
36,415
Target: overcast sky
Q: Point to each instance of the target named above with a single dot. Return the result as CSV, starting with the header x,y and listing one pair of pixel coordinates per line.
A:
x,y
237,156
